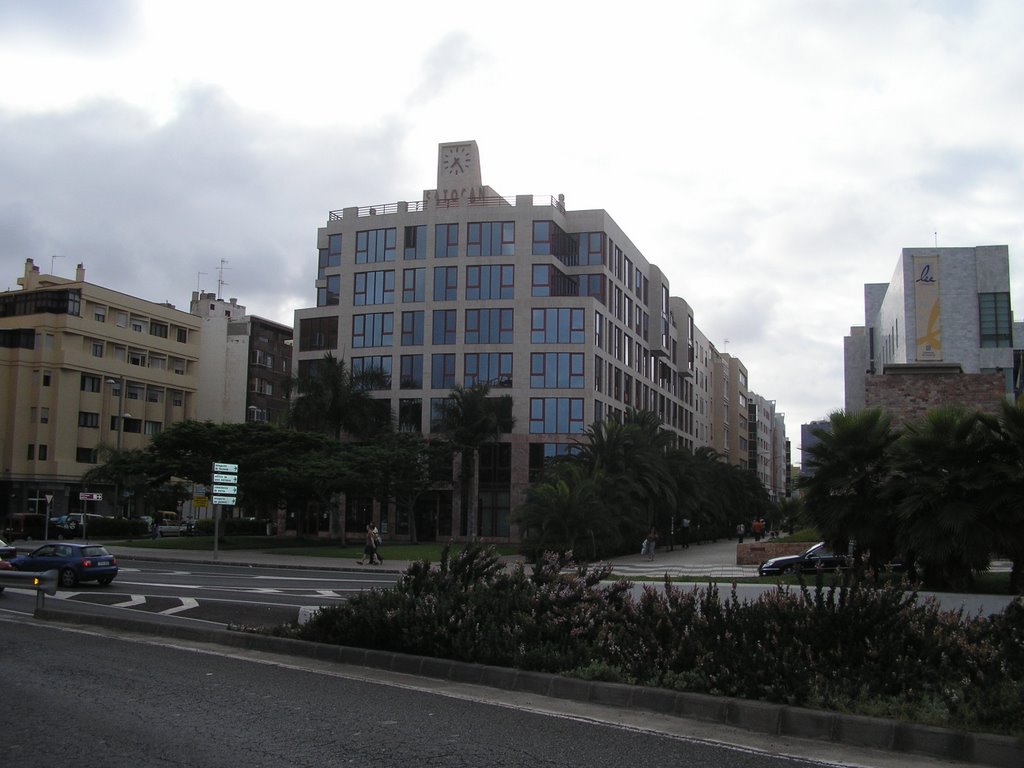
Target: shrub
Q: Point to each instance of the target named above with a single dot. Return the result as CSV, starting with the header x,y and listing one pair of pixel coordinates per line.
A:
x,y
853,646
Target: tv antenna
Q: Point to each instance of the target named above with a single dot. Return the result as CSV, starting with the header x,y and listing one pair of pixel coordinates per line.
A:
x,y
220,276
199,276
52,258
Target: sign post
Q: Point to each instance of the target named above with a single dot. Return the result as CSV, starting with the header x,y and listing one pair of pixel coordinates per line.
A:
x,y
225,488
86,497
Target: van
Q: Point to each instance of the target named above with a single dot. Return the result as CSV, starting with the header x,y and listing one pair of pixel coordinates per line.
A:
x,y
25,525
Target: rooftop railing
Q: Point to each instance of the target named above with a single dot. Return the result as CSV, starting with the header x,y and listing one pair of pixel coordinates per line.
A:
x,y
418,206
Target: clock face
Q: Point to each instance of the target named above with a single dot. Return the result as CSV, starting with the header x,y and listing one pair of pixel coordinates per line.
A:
x,y
456,161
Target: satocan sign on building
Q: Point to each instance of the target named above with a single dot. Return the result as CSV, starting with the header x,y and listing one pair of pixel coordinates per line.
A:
x,y
225,483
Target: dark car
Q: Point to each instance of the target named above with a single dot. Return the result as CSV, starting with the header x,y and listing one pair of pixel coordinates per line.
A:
x,y
7,551
73,562
25,525
817,557
70,526
5,565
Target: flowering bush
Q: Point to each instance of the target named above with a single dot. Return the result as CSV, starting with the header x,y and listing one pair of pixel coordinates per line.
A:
x,y
852,647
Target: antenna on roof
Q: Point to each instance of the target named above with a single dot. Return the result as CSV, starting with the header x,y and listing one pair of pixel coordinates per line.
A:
x,y
220,278
936,238
55,256
199,275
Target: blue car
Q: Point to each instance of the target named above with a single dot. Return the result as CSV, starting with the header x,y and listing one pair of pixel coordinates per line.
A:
x,y
73,562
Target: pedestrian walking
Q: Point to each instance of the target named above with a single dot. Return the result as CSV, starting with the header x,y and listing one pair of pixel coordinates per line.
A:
x,y
370,546
686,533
647,549
740,530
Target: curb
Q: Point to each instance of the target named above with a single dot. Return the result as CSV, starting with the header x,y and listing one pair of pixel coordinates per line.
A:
x,y
759,717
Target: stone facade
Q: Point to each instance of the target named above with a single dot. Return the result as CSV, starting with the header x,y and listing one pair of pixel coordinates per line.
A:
x,y
907,393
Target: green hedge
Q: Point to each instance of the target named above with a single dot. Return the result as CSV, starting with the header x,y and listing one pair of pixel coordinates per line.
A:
x,y
116,527
852,647
239,526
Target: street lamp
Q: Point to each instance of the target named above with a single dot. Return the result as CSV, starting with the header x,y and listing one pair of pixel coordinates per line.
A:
x,y
120,431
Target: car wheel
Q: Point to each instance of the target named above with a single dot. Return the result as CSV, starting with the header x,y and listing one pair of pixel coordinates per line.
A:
x,y
786,570
105,581
68,578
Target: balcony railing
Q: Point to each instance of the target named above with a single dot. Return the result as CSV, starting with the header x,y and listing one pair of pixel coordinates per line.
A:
x,y
418,206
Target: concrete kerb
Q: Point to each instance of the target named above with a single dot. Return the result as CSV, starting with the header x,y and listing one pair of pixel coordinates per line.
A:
x,y
759,717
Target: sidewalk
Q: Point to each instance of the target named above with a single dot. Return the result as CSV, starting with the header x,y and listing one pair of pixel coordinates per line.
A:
x,y
716,559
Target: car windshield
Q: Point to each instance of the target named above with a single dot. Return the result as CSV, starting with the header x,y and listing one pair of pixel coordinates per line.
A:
x,y
94,551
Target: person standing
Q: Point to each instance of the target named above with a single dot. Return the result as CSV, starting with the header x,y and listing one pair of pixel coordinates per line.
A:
x,y
686,533
740,530
649,542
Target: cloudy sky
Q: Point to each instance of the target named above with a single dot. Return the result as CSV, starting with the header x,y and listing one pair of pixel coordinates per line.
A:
x,y
772,156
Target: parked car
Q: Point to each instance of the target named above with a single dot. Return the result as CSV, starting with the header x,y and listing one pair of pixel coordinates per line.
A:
x,y
25,526
5,565
70,526
817,557
7,551
74,562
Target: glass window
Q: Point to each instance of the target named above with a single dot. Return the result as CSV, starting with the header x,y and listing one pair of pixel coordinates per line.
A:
x,y
413,282
489,326
492,368
330,294
556,370
88,419
329,256
491,238
375,245
90,383
412,328
412,372
444,326
446,241
373,330
374,288
442,371
995,320
415,243
410,415
446,283
379,364
490,281
557,325
556,415
318,333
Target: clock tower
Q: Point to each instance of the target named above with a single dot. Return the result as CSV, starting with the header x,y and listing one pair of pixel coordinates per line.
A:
x,y
458,170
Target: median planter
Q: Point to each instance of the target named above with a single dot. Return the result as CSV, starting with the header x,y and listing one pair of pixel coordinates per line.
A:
x,y
756,552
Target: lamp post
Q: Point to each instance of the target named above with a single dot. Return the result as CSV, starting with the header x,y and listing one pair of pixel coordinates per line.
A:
x,y
120,432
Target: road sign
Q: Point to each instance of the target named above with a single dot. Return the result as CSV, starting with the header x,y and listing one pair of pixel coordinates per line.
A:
x,y
90,496
229,490
219,467
225,478
199,502
229,500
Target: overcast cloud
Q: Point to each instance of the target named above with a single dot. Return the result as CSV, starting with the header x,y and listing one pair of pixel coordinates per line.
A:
x,y
770,156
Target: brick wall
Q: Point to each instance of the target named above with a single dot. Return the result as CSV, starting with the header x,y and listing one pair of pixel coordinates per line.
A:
x,y
756,552
908,396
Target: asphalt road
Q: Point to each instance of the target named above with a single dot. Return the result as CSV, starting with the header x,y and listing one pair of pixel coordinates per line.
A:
x,y
89,696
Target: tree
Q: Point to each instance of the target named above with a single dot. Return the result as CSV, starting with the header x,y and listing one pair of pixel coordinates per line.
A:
x,y
1006,511
335,401
567,510
469,419
944,469
845,496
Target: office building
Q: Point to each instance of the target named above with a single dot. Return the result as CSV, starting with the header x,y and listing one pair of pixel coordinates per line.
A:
x,y
554,307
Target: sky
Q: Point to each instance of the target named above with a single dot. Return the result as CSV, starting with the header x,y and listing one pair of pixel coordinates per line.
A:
x,y
770,156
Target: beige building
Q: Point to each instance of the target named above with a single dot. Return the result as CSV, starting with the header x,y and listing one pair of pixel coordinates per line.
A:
x,y
557,308
83,367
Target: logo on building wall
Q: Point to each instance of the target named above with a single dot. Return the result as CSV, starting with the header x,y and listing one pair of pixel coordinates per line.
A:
x,y
927,309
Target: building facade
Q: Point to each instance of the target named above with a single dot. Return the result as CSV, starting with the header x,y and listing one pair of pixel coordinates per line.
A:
x,y
944,309
246,363
554,307
83,367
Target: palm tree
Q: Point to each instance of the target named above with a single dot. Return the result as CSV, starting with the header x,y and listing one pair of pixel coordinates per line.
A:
x,y
1006,512
471,419
945,467
567,511
334,400
845,496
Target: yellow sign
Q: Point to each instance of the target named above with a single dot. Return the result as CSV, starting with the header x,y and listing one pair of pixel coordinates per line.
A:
x,y
199,502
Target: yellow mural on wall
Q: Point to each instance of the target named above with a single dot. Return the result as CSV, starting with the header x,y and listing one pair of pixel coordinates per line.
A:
x,y
928,310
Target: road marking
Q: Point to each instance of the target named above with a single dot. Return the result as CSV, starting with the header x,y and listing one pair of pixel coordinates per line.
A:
x,y
187,604
132,600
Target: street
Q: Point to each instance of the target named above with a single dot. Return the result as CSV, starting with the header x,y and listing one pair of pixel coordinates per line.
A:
x,y
91,695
